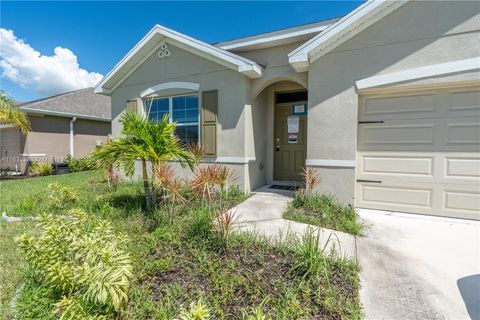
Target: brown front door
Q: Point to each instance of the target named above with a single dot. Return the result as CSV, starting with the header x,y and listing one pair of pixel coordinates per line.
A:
x,y
290,154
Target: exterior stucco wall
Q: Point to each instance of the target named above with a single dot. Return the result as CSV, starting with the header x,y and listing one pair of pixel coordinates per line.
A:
x,y
418,34
183,66
49,136
276,67
87,134
186,67
49,140
10,142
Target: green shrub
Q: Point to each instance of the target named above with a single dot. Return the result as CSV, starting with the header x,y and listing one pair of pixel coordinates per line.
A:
x,y
34,168
46,169
79,164
84,260
60,196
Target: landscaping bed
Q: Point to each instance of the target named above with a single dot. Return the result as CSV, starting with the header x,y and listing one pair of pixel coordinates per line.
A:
x,y
323,211
181,265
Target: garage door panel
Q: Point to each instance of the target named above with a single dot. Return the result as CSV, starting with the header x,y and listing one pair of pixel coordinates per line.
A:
x,y
396,132
396,165
455,199
420,160
465,101
463,131
468,167
393,196
402,106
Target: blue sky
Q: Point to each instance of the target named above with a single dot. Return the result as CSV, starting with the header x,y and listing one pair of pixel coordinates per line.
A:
x,y
99,34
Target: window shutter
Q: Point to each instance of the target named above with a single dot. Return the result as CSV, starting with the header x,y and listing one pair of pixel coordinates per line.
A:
x,y
132,106
209,121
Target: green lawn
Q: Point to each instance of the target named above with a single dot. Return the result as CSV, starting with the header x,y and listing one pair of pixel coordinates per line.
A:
x,y
180,263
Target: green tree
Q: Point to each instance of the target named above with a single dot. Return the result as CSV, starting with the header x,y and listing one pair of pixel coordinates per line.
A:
x,y
149,141
9,114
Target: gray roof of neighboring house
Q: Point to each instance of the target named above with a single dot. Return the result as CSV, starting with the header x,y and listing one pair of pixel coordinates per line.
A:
x,y
83,103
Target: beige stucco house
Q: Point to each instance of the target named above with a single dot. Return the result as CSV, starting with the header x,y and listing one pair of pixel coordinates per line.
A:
x,y
384,102
69,123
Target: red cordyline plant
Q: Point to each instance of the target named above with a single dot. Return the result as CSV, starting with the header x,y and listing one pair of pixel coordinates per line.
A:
x,y
223,223
203,182
209,179
197,150
311,178
171,187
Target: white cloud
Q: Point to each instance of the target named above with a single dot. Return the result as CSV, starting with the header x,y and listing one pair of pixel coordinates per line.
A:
x,y
43,74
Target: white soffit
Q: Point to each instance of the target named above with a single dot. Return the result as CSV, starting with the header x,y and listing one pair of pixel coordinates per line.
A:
x,y
145,47
341,31
276,38
419,73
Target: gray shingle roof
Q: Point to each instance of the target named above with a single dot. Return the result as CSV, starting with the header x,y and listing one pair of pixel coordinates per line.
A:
x,y
83,102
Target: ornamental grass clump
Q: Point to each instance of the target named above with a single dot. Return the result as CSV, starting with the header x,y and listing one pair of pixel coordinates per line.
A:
x,y
83,260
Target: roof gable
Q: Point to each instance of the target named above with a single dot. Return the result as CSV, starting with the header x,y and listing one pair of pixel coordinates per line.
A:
x,y
152,42
341,31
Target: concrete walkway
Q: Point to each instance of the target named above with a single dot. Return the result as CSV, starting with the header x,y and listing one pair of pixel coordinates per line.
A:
x,y
412,266
419,267
262,213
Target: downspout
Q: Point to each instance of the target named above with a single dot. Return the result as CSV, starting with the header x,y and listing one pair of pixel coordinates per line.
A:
x,y
71,134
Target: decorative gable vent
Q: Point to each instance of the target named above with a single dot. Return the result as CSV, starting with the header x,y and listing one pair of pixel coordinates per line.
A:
x,y
164,52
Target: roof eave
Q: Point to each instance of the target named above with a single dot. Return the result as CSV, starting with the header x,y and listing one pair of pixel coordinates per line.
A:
x,y
231,60
63,114
342,30
299,62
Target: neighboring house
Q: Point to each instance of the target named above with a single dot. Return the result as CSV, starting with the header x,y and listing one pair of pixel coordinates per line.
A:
x,y
384,102
69,123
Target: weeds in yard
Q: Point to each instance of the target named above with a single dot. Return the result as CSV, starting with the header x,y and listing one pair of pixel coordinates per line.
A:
x,y
197,311
324,211
177,264
61,197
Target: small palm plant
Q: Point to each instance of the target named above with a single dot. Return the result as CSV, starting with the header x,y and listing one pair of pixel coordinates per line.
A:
x,y
9,114
150,141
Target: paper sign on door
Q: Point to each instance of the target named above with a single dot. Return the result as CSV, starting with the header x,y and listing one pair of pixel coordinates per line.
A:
x,y
293,124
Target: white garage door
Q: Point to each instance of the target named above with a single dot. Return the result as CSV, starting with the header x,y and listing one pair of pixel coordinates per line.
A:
x,y
420,152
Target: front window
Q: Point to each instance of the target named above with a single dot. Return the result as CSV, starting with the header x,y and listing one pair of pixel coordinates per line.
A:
x,y
180,109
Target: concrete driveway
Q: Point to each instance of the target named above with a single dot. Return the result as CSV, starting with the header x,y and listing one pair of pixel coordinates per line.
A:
x,y
419,267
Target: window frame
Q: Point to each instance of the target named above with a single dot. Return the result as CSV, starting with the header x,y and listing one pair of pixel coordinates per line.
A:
x,y
170,110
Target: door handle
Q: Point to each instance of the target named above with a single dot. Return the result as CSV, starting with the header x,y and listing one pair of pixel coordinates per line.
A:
x,y
369,181
277,148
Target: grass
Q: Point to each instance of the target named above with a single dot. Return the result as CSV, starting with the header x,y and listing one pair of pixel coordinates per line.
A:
x,y
177,264
324,211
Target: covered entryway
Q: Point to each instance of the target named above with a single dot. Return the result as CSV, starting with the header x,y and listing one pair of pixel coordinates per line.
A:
x,y
290,135
419,152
